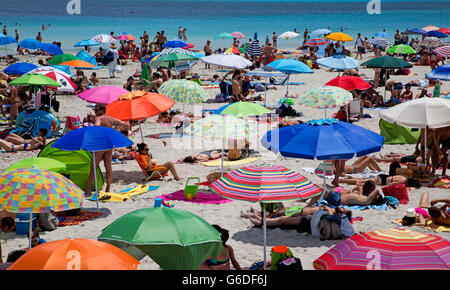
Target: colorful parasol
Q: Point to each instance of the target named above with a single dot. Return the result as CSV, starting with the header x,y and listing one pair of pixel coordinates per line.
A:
x,y
390,249
78,63
431,42
57,59
430,28
126,37
184,91
349,83
401,49
339,36
325,97
316,42
443,51
238,35
103,94
75,254
64,79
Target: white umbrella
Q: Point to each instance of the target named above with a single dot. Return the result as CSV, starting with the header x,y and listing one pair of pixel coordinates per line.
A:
x,y
227,60
104,38
289,34
321,31
420,113
67,85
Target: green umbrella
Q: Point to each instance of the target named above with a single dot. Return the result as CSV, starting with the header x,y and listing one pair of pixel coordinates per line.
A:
x,y
243,109
386,62
40,163
184,91
145,74
175,239
171,59
62,58
401,49
34,80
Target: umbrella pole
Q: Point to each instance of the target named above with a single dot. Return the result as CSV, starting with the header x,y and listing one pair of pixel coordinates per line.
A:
x,y
221,164
95,180
426,156
142,134
30,231
264,234
287,87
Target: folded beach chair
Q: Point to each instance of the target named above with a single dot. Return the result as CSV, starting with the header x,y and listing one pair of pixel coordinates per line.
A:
x,y
155,173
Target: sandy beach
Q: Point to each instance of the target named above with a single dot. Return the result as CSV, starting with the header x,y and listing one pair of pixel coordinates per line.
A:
x,y
246,241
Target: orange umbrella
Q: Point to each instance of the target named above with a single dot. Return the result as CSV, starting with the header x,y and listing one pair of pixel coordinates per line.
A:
x,y
78,63
75,254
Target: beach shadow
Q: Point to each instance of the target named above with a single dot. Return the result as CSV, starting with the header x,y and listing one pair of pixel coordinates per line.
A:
x,y
129,176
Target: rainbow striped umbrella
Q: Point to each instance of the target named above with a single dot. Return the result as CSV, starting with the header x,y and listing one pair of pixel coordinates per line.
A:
x,y
390,249
443,51
316,42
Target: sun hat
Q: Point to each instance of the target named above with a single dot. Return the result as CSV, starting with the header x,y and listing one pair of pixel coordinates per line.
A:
x,y
113,45
410,212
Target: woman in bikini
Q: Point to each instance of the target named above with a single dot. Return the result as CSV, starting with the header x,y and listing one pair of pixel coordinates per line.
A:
x,y
385,180
201,157
428,211
14,143
222,262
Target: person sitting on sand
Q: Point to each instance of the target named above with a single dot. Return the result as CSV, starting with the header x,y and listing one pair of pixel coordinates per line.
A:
x,y
201,157
407,95
235,150
222,262
428,211
144,158
17,143
93,80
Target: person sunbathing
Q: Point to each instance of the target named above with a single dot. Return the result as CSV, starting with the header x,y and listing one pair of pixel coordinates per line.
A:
x,y
201,157
361,164
428,211
14,143
385,180
400,158
144,158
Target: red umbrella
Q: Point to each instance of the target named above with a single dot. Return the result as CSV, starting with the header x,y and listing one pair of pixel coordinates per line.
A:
x,y
445,30
189,45
349,83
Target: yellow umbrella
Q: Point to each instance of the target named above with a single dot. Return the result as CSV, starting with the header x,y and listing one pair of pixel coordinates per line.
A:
x,y
339,36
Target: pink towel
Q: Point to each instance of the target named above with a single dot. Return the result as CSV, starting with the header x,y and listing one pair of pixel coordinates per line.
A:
x,y
202,198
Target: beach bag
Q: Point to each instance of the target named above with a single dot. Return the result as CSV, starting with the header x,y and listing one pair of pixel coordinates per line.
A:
x,y
109,57
329,230
399,191
278,254
290,264
118,69
47,221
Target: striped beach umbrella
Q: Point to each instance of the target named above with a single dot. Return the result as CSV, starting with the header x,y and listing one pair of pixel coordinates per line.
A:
x,y
389,249
184,91
443,51
316,42
254,48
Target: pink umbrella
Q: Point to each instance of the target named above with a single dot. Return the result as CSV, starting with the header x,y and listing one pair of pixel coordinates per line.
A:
x,y
238,35
126,37
103,94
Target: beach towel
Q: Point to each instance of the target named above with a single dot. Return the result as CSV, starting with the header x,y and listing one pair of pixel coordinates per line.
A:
x,y
201,198
430,225
398,191
164,135
367,173
126,194
364,207
441,183
227,162
81,217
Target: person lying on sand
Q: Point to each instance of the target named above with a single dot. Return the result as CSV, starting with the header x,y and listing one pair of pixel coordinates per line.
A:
x,y
400,158
385,180
428,211
201,157
14,143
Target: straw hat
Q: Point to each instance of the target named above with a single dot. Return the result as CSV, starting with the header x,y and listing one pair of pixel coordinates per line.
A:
x,y
410,212
113,45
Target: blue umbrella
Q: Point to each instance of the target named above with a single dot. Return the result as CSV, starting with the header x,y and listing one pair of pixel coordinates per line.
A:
x,y
29,44
50,48
148,58
440,73
339,62
6,39
416,31
19,68
382,34
290,66
321,31
64,68
93,139
83,55
86,42
438,34
175,43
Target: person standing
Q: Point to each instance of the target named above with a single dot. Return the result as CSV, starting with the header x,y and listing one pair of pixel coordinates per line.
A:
x,y
207,49
180,33
274,40
17,35
39,37
5,31
184,34
360,45
305,34
113,63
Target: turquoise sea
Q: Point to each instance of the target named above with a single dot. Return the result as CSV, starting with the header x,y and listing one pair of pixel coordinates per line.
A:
x,y
206,19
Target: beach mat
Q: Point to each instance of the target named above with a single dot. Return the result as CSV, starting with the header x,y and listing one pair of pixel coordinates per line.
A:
x,y
202,198
126,194
226,162
441,183
367,173
81,217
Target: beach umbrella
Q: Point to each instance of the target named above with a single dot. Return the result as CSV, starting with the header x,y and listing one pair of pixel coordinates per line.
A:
x,y
50,48
266,74
57,59
339,62
224,35
288,35
233,49
290,66
172,59
381,42
388,249
62,78
86,42
264,183
349,83
383,34
29,44
34,79
242,109
92,139
83,55
339,36
325,97
6,39
102,94
430,28
443,51
253,48
149,58
316,42
387,62
78,63
139,105
184,91
238,35
126,37
321,31
32,190
75,254
104,38
175,239
415,31
175,43
401,49
436,33
431,42
189,46
228,60
221,127
440,73
444,30
40,163
19,68
170,50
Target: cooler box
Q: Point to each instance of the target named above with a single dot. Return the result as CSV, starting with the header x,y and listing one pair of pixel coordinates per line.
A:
x,y
23,223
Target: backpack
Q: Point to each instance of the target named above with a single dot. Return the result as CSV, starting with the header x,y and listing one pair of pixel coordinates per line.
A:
x,y
329,230
109,57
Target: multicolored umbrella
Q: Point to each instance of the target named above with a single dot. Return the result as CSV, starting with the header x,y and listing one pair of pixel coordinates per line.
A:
x,y
75,254
349,83
175,239
401,49
316,42
184,91
103,94
339,36
242,109
57,59
62,78
40,163
104,38
78,63
443,51
233,49
126,37
389,249
325,97
431,42
238,35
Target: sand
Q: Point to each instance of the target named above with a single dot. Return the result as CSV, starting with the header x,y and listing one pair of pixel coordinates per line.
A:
x,y
246,241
